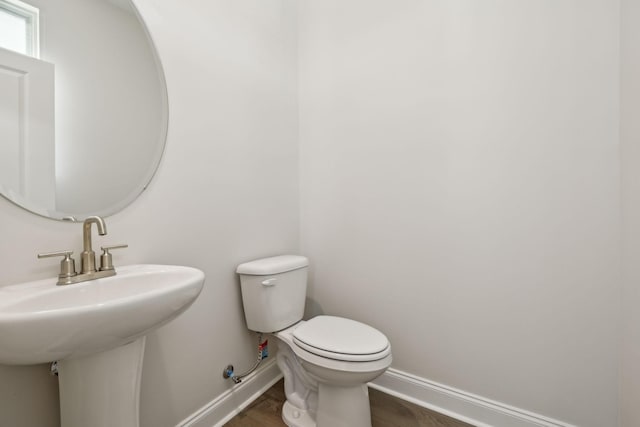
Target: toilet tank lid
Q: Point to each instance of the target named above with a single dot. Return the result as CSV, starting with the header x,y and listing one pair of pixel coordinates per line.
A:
x,y
273,265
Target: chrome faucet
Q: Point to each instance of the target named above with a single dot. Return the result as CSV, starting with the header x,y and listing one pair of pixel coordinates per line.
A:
x,y
88,270
88,256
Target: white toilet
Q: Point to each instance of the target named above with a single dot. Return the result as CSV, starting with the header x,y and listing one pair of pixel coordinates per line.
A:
x,y
326,361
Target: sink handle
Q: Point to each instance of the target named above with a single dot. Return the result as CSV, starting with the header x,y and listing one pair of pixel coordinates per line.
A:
x,y
67,265
106,260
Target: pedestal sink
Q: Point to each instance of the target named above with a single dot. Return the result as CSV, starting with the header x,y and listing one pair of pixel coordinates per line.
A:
x,y
96,331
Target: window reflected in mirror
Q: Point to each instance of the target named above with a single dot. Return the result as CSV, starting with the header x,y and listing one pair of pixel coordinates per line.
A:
x,y
19,24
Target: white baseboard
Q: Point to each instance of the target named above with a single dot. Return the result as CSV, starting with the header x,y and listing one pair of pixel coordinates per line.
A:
x,y
467,407
226,406
458,404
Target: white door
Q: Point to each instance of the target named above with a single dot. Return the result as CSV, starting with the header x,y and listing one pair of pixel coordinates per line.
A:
x,y
27,129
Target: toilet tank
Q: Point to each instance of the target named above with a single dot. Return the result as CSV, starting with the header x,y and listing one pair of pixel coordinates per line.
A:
x,y
273,291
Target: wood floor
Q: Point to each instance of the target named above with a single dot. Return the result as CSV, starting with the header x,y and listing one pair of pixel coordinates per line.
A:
x,y
386,411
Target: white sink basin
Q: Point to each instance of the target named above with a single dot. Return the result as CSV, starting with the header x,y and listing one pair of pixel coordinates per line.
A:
x,y
41,322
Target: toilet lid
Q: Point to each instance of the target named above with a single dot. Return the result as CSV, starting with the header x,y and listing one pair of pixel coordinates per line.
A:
x,y
341,339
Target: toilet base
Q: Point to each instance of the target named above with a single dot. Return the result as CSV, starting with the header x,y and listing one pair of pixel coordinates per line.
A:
x,y
294,417
337,407
340,406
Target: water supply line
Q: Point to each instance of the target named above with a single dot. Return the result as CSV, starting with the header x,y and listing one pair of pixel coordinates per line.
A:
x,y
263,353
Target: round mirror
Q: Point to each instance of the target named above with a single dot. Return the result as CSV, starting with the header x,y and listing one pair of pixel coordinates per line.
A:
x,y
84,106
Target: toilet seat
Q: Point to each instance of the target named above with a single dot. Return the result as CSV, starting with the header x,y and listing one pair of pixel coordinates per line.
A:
x,y
341,339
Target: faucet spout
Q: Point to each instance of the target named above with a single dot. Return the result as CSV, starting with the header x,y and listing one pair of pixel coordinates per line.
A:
x,y
88,256
86,230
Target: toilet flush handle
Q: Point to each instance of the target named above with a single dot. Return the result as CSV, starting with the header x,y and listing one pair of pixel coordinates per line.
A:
x,y
270,282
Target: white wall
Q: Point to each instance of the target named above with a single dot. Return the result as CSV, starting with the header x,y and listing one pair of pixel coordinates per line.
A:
x,y
226,192
630,137
460,190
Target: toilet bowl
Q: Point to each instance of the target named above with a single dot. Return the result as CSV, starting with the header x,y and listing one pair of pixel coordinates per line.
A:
x,y
322,388
326,361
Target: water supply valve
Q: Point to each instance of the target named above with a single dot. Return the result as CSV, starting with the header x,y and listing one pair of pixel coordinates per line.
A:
x,y
263,353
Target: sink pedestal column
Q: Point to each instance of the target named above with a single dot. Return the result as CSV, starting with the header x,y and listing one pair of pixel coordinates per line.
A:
x,y
102,389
